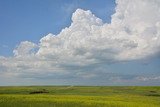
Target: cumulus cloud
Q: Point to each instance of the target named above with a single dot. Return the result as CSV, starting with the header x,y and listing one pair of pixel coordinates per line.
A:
x,y
25,48
134,33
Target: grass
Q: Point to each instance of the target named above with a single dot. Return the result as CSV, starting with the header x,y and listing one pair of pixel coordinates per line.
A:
x,y
80,96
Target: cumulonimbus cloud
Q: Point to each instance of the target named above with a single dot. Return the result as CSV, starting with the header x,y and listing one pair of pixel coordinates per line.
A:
x,y
134,33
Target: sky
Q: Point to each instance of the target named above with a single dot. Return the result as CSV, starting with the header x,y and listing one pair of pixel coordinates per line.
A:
x,y
30,20
80,42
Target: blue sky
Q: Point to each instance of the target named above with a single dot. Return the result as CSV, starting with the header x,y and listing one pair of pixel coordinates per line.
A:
x,y
94,49
31,20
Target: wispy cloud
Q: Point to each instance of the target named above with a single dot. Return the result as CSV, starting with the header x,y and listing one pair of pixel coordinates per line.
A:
x,y
148,78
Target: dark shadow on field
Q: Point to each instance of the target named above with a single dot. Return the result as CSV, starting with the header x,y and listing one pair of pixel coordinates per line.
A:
x,y
153,93
39,91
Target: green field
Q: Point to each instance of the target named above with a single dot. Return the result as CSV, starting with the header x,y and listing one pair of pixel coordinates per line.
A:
x,y
79,96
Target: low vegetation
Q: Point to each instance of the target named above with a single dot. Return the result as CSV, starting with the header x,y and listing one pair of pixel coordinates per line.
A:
x,y
79,96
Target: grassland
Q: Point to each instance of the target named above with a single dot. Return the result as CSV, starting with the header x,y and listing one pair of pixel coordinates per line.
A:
x,y
79,96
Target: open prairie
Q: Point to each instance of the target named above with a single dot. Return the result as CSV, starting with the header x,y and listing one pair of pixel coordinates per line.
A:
x,y
79,96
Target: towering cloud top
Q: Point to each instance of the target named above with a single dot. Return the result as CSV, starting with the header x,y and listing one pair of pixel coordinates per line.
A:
x,y
134,33
81,16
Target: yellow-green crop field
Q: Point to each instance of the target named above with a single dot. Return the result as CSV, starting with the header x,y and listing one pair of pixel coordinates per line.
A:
x,y
79,96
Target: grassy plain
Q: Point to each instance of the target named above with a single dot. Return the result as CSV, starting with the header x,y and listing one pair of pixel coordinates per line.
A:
x,y
79,96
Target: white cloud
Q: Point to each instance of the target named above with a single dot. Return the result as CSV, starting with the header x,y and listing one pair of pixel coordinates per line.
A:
x,y
25,48
134,33
151,78
85,75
